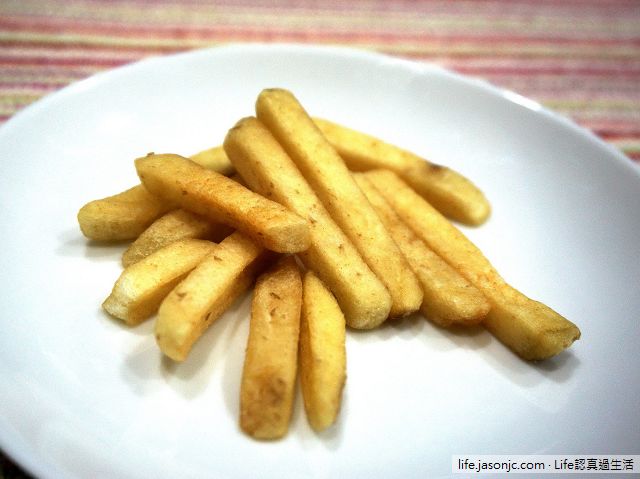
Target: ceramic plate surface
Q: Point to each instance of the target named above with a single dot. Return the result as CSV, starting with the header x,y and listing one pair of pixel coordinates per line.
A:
x,y
84,396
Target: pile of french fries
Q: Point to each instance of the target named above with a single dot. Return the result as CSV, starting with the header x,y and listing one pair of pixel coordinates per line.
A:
x,y
334,228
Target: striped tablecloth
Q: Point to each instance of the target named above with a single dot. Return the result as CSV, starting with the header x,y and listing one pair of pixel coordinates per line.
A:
x,y
578,57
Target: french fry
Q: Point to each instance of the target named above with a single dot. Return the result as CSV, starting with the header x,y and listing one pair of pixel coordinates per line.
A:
x,y
142,286
531,329
269,372
173,226
223,200
206,293
214,159
447,190
267,169
126,215
322,353
121,217
328,175
449,299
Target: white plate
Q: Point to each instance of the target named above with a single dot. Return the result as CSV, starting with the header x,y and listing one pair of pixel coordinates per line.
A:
x,y
83,396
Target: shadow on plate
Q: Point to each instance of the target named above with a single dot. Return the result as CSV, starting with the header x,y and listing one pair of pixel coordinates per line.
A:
x,y
416,328
72,244
146,364
559,368
489,350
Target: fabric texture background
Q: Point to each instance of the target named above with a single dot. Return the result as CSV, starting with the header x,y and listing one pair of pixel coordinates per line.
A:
x,y
580,58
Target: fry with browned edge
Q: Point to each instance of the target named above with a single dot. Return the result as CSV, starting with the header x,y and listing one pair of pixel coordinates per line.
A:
x,y
449,298
447,190
203,296
328,175
126,215
531,329
223,200
267,169
269,373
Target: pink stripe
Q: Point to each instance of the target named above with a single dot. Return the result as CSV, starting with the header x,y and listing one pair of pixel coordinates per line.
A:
x,y
612,124
547,70
555,3
617,135
630,130
45,61
14,87
81,45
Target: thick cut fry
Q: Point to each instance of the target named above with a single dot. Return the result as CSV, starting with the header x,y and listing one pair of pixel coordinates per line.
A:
x,y
449,299
214,159
223,200
531,329
126,215
328,175
447,190
322,353
206,293
268,170
173,226
121,217
270,364
142,286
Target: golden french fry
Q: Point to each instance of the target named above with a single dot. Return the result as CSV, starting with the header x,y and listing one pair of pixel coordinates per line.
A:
x,y
126,215
269,373
449,299
328,175
173,226
142,286
447,190
531,329
121,217
207,292
214,159
223,200
267,169
322,353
